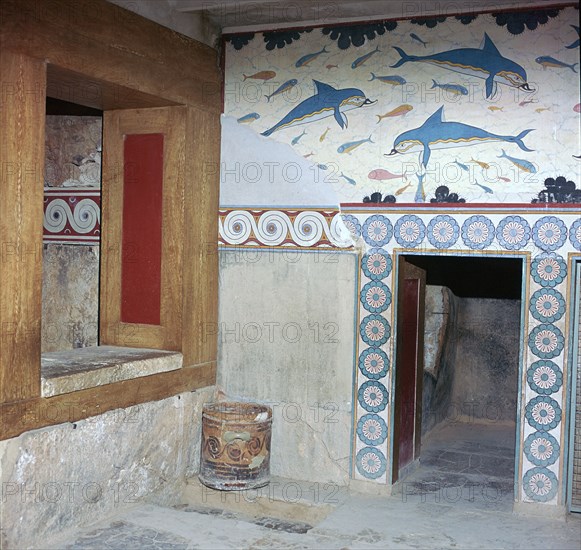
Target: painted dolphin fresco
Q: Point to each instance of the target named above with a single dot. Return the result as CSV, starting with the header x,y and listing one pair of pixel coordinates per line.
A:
x,y
485,62
434,133
576,43
326,102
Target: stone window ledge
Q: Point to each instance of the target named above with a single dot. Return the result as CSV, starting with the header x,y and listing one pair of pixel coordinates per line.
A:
x,y
79,369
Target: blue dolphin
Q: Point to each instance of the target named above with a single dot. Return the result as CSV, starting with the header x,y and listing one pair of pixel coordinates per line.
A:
x,y
486,62
326,102
434,133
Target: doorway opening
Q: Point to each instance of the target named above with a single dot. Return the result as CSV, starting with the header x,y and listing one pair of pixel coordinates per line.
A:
x,y
456,378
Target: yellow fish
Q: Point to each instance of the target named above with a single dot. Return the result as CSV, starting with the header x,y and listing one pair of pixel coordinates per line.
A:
x,y
262,75
541,109
483,165
494,108
402,110
324,134
402,189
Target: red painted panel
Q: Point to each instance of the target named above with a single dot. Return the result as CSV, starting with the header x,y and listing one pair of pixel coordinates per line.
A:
x,y
407,370
142,218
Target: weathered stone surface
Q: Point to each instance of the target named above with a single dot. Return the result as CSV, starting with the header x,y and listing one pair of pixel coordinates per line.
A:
x,y
70,476
73,151
70,297
292,349
67,371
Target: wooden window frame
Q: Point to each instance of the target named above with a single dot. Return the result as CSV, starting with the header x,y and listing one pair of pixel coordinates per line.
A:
x,y
148,68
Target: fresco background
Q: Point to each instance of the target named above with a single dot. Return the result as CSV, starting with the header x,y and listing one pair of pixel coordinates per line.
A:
x,y
258,64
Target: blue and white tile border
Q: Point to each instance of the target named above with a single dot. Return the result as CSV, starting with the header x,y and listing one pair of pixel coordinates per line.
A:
x,y
544,241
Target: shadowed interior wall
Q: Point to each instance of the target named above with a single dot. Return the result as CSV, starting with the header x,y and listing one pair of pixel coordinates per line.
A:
x,y
471,359
70,272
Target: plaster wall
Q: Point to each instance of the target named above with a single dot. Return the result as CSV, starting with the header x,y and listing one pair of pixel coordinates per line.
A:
x,y
65,477
285,339
70,276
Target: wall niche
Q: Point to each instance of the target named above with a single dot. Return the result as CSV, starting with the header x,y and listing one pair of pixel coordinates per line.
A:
x,y
71,243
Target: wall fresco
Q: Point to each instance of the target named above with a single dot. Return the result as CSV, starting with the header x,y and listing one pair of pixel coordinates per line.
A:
x,y
486,105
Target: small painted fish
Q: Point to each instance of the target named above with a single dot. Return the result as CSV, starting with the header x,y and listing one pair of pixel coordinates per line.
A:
x,y
298,138
328,67
463,166
282,88
262,75
348,179
521,164
541,109
324,134
494,108
483,165
418,39
577,108
310,57
247,119
453,88
308,155
402,189
547,61
394,80
381,174
484,188
402,110
360,60
352,145
504,179
576,43
322,166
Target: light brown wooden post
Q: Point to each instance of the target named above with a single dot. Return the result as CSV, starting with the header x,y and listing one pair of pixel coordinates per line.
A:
x,y
202,189
22,120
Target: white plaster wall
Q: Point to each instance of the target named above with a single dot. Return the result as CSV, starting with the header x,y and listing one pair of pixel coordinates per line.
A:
x,y
63,478
286,321
162,11
258,171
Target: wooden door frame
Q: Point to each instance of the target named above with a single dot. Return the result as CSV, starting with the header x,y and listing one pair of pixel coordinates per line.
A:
x,y
421,276
525,258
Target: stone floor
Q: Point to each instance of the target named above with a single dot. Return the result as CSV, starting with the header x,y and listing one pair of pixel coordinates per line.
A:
x,y
460,497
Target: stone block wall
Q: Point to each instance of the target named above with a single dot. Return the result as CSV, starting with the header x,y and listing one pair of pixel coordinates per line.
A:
x,y
69,476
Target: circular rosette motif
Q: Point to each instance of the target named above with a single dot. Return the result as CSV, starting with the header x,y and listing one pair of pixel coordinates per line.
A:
x,y
409,231
373,363
548,270
513,232
372,429
546,341
443,231
575,234
547,304
371,463
549,233
377,230
375,297
544,377
376,264
541,449
352,223
373,396
375,330
543,413
540,484
477,232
